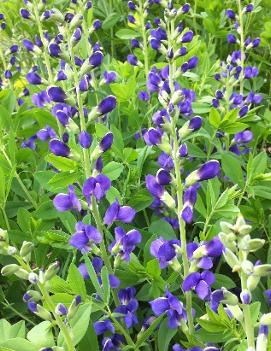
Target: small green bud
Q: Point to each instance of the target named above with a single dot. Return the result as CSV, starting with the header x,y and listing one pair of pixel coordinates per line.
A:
x,y
226,227
26,248
51,271
33,278
266,319
255,244
231,259
168,200
230,298
22,273
263,270
10,269
236,312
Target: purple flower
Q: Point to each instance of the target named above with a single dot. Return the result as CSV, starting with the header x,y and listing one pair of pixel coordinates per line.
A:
x,y
249,8
107,105
85,236
54,50
85,139
40,99
250,72
33,78
164,250
153,136
13,49
115,212
46,133
97,187
201,282
230,14
189,200
128,307
231,39
66,202
96,59
143,96
61,309
25,13
163,177
187,37
28,45
124,243
207,171
268,296
110,76
59,148
112,343
165,161
243,137
63,112
135,43
56,94
132,59
155,189
106,142
61,75
131,6
97,24
101,327
172,306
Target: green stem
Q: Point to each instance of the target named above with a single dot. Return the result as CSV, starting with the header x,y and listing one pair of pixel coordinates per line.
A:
x,y
44,43
123,331
179,186
104,254
2,56
248,325
5,218
145,41
80,109
242,44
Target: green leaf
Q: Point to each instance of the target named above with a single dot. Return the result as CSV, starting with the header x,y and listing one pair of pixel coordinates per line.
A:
x,y
106,285
127,34
93,276
140,200
62,180
162,228
113,170
41,335
223,280
232,169
111,20
165,334
61,163
19,344
76,281
153,268
147,333
214,117
79,324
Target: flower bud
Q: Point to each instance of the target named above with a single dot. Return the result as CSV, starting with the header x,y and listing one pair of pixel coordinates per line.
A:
x,y
231,259
32,295
255,244
10,269
39,310
51,271
263,270
74,306
236,312
266,319
261,344
26,248
33,278
245,297
61,309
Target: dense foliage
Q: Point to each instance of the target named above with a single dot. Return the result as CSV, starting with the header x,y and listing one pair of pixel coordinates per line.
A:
x,y
135,175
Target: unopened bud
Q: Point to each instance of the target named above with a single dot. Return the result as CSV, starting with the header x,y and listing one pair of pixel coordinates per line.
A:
x,y
74,306
245,297
33,278
266,319
10,269
263,270
26,248
231,258
236,312
51,271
